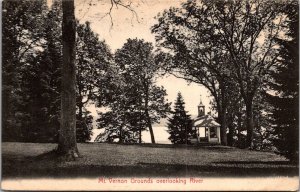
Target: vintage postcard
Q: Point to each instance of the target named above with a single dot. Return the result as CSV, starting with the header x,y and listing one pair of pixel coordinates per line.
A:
x,y
187,95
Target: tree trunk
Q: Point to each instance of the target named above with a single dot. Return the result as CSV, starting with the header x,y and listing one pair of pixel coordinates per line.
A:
x,y
230,134
150,126
222,107
140,124
239,125
80,112
120,135
223,122
140,135
67,145
249,123
223,129
148,116
81,128
6,114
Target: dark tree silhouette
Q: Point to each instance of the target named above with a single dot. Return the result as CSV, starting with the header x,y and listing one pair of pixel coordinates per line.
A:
x,y
180,124
285,101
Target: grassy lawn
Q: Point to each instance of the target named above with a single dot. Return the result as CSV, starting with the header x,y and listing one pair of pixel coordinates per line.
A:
x,y
101,159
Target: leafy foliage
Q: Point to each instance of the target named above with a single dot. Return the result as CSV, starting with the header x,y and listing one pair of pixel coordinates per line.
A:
x,y
32,60
93,59
26,90
135,101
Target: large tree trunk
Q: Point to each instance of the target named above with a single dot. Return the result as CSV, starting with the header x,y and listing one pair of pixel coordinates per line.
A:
x,y
249,123
67,145
222,108
222,120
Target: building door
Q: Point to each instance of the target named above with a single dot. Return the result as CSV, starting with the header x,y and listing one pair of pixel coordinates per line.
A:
x,y
203,134
213,134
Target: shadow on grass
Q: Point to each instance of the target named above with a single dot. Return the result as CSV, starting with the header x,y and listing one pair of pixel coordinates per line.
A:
x,y
185,146
33,167
280,163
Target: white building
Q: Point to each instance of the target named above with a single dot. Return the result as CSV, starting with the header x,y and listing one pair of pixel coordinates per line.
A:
x,y
207,129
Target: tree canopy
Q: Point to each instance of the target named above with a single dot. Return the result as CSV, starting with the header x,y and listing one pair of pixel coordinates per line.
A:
x,y
136,99
223,45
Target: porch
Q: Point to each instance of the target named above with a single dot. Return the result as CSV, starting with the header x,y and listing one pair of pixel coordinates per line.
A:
x,y
207,130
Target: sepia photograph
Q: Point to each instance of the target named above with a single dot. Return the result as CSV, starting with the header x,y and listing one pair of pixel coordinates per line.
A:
x,y
134,95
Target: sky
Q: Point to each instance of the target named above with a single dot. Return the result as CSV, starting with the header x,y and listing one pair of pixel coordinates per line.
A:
x,y
124,24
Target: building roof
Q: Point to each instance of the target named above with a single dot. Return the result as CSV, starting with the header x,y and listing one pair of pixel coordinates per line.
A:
x,y
205,121
201,104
